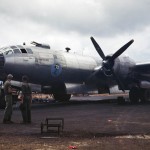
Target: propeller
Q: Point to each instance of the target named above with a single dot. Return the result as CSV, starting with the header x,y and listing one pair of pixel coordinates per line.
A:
x,y
97,47
108,61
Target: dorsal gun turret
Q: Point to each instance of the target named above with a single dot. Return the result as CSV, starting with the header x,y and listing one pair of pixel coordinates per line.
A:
x,y
40,45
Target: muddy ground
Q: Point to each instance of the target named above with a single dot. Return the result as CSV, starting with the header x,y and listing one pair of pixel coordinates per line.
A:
x,y
88,125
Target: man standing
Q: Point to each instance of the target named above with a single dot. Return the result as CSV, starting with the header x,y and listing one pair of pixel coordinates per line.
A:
x,y
26,100
8,99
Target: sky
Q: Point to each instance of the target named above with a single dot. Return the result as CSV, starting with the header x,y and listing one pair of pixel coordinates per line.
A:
x,y
71,23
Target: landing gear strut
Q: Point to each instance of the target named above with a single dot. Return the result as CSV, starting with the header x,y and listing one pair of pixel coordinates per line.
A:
x,y
139,95
134,95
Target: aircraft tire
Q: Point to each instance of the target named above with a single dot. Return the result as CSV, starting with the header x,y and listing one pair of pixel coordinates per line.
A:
x,y
62,97
134,95
144,95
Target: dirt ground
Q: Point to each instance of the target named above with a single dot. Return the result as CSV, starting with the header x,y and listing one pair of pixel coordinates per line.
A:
x,y
88,125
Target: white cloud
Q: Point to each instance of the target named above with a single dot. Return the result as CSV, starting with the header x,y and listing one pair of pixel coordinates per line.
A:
x,y
63,23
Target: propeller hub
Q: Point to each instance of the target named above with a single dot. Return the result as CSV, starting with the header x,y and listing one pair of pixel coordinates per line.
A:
x,y
108,63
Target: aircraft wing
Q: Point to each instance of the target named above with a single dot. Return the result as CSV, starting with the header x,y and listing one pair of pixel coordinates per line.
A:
x,y
143,69
142,74
17,85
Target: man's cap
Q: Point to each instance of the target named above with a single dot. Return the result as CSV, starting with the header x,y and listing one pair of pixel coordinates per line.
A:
x,y
10,76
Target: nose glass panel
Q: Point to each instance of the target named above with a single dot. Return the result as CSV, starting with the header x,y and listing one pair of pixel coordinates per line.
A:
x,y
2,61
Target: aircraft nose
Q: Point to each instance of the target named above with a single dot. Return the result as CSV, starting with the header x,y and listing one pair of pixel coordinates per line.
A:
x,y
2,61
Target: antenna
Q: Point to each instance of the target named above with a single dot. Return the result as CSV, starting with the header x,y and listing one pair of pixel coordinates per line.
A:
x,y
67,49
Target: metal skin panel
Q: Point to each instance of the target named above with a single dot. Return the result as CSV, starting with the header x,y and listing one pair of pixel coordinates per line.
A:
x,y
123,66
78,68
143,69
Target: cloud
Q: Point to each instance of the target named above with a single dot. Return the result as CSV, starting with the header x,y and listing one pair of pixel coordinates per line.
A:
x,y
103,18
70,23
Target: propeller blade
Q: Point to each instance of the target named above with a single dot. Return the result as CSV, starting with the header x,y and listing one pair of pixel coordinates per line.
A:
x,y
121,50
98,49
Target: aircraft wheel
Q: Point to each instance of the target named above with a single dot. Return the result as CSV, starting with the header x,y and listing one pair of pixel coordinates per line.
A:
x,y
144,95
134,95
2,100
62,97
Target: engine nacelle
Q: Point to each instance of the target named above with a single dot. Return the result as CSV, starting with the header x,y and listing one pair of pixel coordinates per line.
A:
x,y
122,66
145,84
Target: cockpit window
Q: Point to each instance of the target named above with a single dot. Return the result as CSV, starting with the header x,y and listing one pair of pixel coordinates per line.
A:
x,y
8,52
13,47
23,51
17,51
29,50
20,46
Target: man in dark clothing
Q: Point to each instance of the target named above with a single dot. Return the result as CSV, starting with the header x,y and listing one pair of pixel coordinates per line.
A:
x,y
25,106
8,99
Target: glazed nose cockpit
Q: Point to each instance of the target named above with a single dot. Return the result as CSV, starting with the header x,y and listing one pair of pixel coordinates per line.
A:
x,y
2,61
